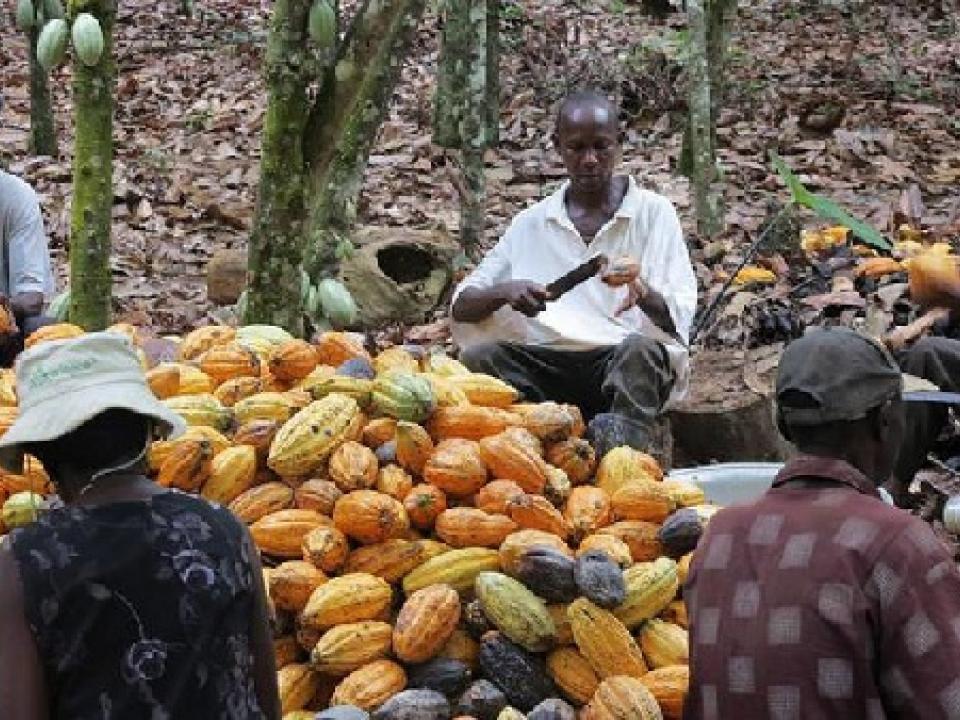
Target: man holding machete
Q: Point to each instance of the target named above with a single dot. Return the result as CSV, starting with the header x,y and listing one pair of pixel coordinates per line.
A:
x,y
535,313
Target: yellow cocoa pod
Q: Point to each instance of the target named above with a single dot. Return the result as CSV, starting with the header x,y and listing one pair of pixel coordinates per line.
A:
x,y
305,441
297,685
344,648
650,586
232,472
664,644
604,641
346,599
456,568
572,674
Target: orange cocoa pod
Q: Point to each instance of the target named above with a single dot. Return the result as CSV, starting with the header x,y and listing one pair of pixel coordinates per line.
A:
x,y
575,457
469,527
414,447
456,467
425,623
293,360
164,381
495,497
187,466
640,537
281,533
510,460
537,513
370,517
470,422
261,500
424,503
379,431
292,583
394,481
353,467
319,495
587,510
370,686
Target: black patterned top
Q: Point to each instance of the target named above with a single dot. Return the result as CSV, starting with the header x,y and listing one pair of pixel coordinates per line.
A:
x,y
141,610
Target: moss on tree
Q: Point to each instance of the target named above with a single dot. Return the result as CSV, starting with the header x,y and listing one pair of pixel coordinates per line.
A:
x,y
93,89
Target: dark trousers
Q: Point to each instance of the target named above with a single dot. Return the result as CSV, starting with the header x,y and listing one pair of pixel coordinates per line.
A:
x,y
621,389
936,359
12,346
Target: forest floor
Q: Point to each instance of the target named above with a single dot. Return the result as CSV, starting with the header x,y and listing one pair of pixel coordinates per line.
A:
x,y
861,98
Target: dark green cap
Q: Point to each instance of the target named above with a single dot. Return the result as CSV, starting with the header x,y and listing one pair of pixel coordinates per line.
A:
x,y
834,374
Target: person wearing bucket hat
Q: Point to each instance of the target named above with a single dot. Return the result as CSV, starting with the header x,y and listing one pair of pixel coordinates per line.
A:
x,y
131,600
820,600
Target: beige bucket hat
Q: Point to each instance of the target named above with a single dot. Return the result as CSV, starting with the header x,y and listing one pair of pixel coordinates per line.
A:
x,y
63,384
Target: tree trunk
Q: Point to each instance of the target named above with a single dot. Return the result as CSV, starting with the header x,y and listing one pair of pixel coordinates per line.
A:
x,y
466,111
699,142
719,16
344,121
43,133
276,241
93,86
475,129
493,73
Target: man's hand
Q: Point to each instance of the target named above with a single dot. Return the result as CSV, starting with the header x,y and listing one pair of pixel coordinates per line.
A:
x,y
525,297
637,293
476,304
641,295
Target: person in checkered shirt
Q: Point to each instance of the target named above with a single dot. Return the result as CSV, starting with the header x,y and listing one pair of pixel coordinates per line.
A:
x,y
819,600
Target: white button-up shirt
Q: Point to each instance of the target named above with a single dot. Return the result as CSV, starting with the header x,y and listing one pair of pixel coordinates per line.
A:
x,y
542,244
24,257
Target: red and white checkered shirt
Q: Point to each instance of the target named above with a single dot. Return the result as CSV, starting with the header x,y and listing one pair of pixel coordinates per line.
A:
x,y
822,602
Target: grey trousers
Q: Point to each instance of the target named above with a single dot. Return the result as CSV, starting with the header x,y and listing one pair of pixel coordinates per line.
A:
x,y
620,389
936,359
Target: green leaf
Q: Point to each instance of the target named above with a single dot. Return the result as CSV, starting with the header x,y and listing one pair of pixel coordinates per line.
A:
x,y
828,209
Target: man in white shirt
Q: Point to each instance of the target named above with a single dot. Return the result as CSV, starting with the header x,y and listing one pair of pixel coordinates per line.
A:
x,y
617,352
26,278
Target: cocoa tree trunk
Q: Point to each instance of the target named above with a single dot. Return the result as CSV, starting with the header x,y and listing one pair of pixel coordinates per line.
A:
x,y
93,88
466,111
699,128
344,122
276,241
43,134
315,151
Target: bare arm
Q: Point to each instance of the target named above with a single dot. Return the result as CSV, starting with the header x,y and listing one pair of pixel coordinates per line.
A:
x,y
652,303
22,683
264,661
475,304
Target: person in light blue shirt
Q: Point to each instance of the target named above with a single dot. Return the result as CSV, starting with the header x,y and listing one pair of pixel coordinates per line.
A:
x,y
26,279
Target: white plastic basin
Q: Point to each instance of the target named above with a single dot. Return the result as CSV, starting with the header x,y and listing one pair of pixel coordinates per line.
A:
x,y
731,483
743,482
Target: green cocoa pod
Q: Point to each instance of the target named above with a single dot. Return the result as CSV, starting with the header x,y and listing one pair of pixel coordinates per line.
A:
x,y
59,307
25,15
515,611
337,303
21,509
304,287
87,39
52,44
322,24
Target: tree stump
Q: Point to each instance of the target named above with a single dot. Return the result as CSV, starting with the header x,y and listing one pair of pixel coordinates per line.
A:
x,y
226,276
398,274
728,415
